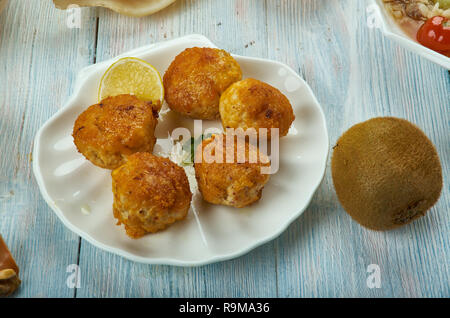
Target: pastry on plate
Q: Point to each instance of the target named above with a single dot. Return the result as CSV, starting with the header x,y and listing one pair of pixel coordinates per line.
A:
x,y
150,193
195,80
2,4
107,132
254,104
228,174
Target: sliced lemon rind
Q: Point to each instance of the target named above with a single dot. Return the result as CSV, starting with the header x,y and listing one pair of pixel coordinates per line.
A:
x,y
118,79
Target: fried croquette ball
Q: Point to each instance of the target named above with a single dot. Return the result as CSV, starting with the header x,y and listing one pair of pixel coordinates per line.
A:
x,y
195,80
231,182
150,193
254,104
108,132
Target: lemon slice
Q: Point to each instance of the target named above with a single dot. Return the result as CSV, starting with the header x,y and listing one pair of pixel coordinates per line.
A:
x,y
134,76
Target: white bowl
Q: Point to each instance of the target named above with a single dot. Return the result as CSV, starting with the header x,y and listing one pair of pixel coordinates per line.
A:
x,y
391,29
210,233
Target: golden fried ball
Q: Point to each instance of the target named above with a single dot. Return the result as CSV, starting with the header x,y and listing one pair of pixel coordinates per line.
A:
x,y
108,132
150,193
230,183
195,80
254,104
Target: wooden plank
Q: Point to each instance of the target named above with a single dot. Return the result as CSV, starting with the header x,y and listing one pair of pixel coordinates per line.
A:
x,y
358,74
38,57
253,275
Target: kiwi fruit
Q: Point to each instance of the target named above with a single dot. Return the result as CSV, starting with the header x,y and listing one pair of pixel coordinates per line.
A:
x,y
386,173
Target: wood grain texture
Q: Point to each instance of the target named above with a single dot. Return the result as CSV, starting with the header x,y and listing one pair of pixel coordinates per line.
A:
x,y
37,56
356,74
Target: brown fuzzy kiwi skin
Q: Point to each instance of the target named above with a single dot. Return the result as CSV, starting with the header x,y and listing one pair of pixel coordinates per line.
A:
x,y
386,173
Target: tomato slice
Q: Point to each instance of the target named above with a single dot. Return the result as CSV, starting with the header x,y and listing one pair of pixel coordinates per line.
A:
x,y
435,34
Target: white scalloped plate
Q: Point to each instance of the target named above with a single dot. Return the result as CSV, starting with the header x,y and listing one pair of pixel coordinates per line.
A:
x,y
392,31
210,233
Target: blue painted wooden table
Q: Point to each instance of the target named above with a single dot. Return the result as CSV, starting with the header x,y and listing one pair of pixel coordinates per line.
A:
x,y
356,74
